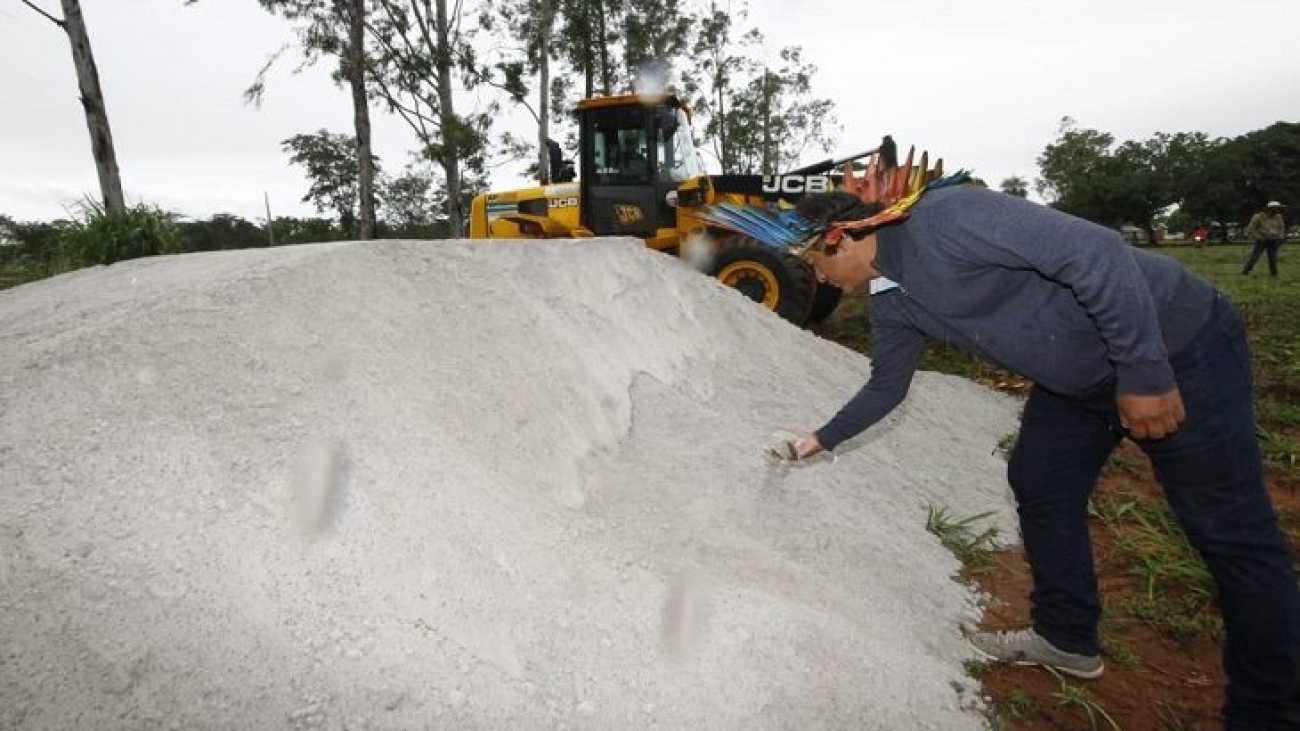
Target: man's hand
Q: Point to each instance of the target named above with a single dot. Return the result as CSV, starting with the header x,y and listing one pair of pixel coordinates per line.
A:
x,y
1150,417
792,446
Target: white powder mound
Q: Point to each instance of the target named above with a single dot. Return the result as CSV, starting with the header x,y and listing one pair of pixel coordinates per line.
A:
x,y
453,485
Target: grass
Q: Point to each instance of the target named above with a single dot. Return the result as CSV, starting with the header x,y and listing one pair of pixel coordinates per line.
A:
x,y
1020,705
971,545
1176,591
1076,696
1268,306
92,236
1006,445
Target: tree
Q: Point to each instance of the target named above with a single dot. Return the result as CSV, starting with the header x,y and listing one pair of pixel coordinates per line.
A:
x,y
531,23
335,28
1237,176
353,67
722,70
1068,165
773,119
1216,191
1139,185
306,230
422,55
655,32
1081,175
760,117
330,162
584,41
92,101
409,201
1015,185
221,231
1272,159
1133,183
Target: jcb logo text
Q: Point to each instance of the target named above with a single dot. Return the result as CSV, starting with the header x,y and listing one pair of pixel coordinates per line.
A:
x,y
796,184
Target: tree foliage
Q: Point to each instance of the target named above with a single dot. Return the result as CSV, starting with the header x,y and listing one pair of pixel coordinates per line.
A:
x,y
656,34
585,41
723,68
222,231
423,55
756,115
335,28
409,201
760,117
1237,176
774,120
1083,172
1015,185
1135,182
1068,165
329,160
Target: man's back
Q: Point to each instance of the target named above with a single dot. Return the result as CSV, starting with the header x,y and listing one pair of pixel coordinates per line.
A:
x,y
1014,280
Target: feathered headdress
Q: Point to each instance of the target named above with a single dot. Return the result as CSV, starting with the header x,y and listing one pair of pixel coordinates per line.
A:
x,y
883,182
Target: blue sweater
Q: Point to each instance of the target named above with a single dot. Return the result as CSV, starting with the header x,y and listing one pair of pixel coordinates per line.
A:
x,y
1053,297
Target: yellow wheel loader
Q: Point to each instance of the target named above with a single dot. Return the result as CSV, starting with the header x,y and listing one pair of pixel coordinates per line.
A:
x,y
639,174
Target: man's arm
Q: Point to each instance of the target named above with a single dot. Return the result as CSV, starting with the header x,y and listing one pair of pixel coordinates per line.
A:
x,y
895,351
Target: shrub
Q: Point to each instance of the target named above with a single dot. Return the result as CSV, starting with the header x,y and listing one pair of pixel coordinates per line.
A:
x,y
98,237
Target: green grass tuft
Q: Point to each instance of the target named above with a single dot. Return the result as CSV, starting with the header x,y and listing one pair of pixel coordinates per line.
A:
x,y
972,546
1176,590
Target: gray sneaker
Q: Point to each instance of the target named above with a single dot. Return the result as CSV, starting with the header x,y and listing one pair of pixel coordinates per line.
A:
x,y
1027,647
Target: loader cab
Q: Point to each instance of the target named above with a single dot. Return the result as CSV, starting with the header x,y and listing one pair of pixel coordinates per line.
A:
x,y
634,155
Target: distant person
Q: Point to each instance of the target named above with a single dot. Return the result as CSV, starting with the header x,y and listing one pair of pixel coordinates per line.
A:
x,y
1200,236
1120,343
1266,229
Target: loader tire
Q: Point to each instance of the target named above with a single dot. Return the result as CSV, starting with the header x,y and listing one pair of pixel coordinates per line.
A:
x,y
825,300
779,281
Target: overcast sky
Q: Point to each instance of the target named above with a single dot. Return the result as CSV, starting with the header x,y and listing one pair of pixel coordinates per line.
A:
x,y
983,84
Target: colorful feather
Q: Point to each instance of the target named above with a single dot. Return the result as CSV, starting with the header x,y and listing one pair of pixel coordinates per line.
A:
x,y
781,229
897,187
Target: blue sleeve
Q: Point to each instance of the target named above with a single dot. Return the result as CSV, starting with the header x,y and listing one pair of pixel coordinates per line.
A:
x,y
895,352
1093,261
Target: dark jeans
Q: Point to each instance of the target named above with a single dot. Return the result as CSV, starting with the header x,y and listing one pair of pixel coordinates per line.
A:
x,y
1269,245
1212,476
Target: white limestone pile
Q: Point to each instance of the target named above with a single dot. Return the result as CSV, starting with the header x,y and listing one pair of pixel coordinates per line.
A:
x,y
404,485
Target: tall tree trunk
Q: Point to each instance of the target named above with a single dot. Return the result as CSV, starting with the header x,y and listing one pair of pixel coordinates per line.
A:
x,y
354,64
588,61
767,165
607,83
92,100
726,159
546,16
452,128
